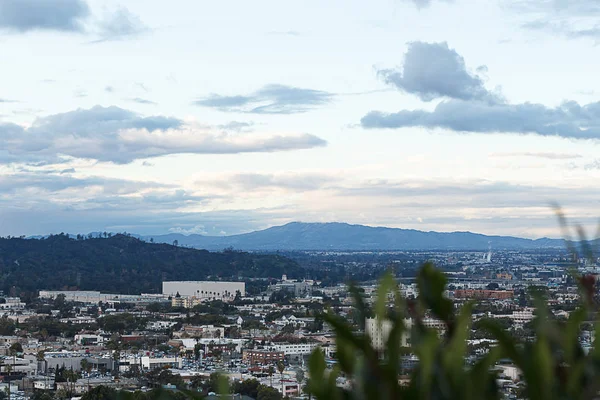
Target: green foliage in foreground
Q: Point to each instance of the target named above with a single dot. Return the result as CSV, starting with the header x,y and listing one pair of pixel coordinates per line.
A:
x,y
553,366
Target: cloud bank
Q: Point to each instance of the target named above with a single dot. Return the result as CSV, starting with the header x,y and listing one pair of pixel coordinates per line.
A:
x,y
112,134
432,71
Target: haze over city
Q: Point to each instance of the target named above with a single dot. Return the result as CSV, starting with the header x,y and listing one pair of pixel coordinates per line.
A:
x,y
221,118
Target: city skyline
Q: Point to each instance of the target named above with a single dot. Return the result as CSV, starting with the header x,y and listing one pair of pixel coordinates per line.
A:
x,y
230,117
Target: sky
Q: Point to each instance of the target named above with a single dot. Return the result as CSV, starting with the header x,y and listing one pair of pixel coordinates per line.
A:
x,y
225,117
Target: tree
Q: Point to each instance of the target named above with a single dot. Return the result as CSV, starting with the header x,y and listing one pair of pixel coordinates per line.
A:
x,y
159,377
271,371
37,395
71,377
217,383
238,297
60,301
87,367
281,368
15,349
248,387
101,393
300,376
268,393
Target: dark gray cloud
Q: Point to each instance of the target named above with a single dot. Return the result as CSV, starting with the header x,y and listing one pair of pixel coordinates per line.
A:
x,y
433,70
112,134
119,25
570,119
270,99
143,101
7,100
31,15
109,89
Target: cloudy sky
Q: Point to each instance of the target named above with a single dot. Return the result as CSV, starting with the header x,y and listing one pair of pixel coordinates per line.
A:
x,y
222,117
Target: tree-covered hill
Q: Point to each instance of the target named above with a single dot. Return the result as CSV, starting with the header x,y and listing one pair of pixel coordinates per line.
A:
x,y
123,264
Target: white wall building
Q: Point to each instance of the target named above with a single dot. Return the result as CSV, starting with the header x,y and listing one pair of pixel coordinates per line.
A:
x,y
204,289
380,331
295,348
160,325
89,339
523,316
12,303
150,363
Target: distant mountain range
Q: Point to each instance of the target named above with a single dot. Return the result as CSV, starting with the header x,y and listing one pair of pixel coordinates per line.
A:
x,y
342,236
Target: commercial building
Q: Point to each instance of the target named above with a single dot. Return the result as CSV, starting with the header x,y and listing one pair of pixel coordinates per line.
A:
x,y
12,303
150,363
379,331
290,349
94,297
185,301
482,294
262,356
204,289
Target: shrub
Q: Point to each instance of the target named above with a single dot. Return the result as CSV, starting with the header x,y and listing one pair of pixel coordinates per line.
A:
x,y
553,365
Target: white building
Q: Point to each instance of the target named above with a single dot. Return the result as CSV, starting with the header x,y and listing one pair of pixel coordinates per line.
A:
x,y
379,331
510,371
160,325
89,339
149,363
296,348
12,303
523,316
204,289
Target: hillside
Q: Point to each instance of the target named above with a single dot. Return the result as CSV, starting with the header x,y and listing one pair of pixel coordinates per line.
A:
x,y
341,236
122,264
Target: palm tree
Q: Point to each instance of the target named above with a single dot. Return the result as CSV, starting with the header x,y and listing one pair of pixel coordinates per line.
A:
x,y
271,371
87,367
8,369
71,379
135,352
281,368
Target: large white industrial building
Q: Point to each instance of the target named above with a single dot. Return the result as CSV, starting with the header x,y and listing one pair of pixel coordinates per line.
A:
x,y
204,289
